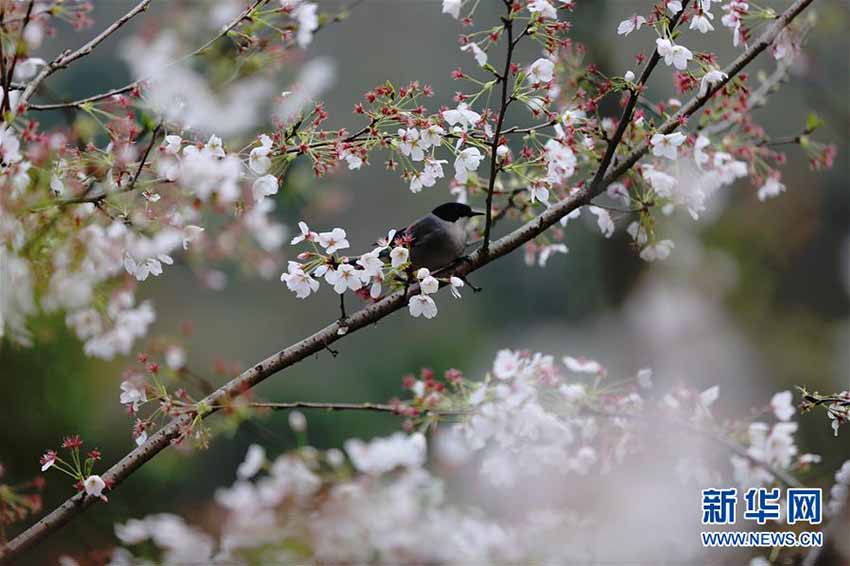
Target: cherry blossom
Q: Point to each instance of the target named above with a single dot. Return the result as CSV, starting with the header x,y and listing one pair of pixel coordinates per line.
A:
x,y
333,241
399,256
264,186
259,160
628,26
603,220
547,251
479,54
299,282
544,8
345,277
582,365
427,282
452,7
771,188
561,161
94,486
133,394
666,145
308,22
702,21
422,305
385,454
254,460
467,161
675,55
657,251
410,144
541,71
306,234
539,193
462,115
456,284
710,78
782,405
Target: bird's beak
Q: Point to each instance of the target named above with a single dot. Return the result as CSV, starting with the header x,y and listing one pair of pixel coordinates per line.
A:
x,y
477,213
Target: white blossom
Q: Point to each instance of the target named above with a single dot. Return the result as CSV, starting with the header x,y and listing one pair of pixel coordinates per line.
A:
x,y
467,161
461,115
657,251
386,454
399,256
255,457
541,71
452,7
771,188
603,220
258,159
479,54
333,241
582,365
711,78
298,281
422,305
94,486
666,145
133,394
782,405
544,8
675,55
410,145
702,21
264,186
628,26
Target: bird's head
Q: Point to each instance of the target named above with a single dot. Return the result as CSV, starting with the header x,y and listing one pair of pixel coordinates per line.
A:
x,y
454,211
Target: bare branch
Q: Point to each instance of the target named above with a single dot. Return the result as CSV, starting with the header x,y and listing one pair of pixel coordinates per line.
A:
x,y
130,86
67,57
505,79
371,314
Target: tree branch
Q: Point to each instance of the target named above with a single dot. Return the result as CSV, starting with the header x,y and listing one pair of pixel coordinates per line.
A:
x,y
373,313
626,117
67,57
497,134
130,86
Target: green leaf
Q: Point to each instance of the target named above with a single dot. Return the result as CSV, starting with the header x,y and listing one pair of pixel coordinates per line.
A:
x,y
813,122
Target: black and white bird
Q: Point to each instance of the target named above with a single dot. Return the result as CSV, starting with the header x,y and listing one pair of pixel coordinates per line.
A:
x,y
438,239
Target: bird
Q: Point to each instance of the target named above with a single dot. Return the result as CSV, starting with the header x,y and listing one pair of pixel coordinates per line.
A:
x,y
438,239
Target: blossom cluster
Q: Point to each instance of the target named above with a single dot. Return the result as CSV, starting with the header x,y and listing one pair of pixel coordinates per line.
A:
x,y
558,429
82,225
77,467
386,265
837,406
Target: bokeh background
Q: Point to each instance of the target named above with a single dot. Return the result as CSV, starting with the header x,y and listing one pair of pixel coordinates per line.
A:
x,y
754,297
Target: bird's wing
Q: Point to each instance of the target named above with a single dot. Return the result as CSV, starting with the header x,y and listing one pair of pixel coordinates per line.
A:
x,y
424,230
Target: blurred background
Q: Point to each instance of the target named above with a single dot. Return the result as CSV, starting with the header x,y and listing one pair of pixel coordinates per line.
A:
x,y
754,297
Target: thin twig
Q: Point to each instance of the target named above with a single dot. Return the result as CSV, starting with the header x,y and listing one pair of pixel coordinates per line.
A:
x,y
67,57
373,313
11,76
144,157
373,407
626,117
132,85
497,134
